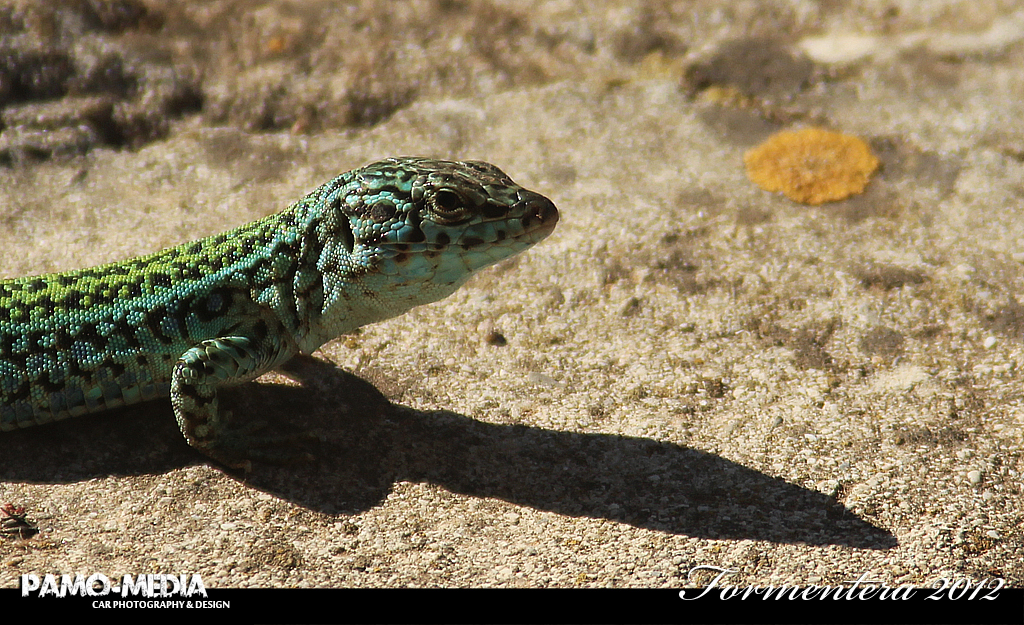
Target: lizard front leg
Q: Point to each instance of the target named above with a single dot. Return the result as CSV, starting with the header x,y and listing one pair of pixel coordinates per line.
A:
x,y
198,374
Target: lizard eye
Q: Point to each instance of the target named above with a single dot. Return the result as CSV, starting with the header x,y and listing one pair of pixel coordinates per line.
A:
x,y
447,205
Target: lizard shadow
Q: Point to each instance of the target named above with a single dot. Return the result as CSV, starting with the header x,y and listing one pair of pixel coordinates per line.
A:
x,y
367,444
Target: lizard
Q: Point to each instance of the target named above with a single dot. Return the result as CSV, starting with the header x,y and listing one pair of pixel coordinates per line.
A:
x,y
185,321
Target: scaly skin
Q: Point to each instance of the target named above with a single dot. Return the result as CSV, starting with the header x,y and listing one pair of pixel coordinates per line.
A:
x,y
368,245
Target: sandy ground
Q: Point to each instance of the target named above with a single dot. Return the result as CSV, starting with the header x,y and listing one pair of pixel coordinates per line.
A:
x,y
697,371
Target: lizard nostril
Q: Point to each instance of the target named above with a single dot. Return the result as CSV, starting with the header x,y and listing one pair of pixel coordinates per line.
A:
x,y
540,212
545,211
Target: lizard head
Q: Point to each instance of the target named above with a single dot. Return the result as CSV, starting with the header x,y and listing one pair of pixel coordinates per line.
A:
x,y
440,221
403,232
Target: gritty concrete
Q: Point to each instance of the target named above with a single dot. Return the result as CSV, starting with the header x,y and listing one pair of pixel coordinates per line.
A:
x,y
696,371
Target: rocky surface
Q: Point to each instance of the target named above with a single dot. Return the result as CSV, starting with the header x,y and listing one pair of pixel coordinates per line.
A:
x,y
690,371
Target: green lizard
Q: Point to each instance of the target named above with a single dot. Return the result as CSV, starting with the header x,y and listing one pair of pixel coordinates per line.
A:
x,y
366,246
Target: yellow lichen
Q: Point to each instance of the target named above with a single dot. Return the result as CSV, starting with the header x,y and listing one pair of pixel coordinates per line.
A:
x,y
811,166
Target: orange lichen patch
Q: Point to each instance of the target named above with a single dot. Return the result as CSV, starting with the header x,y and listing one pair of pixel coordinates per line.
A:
x,y
277,45
811,166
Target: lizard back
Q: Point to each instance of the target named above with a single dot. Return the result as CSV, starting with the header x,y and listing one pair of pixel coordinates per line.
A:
x,y
91,339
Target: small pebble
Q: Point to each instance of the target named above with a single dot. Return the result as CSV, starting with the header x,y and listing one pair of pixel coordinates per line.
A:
x,y
630,307
542,379
495,338
974,477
